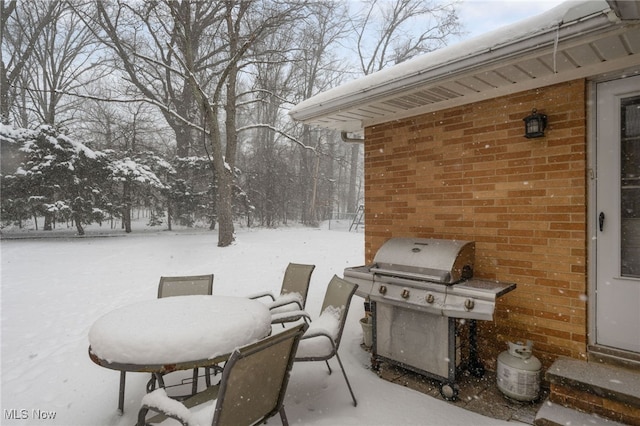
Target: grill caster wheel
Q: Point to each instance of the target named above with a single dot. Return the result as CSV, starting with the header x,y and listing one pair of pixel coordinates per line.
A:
x,y
449,391
375,364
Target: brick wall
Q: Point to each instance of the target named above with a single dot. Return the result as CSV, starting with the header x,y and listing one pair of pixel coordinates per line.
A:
x,y
601,405
469,173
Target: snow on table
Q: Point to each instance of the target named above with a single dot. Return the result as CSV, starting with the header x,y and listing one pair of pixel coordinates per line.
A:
x,y
178,329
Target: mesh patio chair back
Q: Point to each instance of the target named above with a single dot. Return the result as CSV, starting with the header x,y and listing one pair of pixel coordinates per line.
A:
x,y
255,379
339,293
296,280
252,387
185,286
293,292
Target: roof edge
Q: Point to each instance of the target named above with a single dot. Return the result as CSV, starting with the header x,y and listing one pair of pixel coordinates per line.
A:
x,y
560,24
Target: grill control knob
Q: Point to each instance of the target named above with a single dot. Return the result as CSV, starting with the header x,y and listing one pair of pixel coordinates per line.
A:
x,y
405,294
469,304
430,298
382,289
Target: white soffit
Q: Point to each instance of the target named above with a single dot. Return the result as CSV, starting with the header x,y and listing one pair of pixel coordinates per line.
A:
x,y
626,9
571,41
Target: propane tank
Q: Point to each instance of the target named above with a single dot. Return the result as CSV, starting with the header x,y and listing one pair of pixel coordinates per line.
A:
x,y
518,372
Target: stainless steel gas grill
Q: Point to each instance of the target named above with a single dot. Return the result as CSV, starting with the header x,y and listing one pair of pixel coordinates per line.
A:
x,y
425,303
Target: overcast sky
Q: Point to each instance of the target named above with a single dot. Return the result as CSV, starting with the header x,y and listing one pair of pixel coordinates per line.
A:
x,y
481,16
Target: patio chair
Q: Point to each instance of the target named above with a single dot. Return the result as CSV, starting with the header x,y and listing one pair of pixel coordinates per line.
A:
x,y
293,294
186,286
322,340
251,390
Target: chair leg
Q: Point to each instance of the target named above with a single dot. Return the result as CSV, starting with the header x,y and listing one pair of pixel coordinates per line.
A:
x,y
344,373
159,379
283,417
194,386
326,361
142,415
207,376
123,376
213,370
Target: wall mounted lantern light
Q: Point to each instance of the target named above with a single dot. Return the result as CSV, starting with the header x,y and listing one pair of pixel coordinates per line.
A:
x,y
534,125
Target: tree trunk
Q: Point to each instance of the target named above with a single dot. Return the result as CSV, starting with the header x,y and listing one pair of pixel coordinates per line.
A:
x,y
126,218
48,222
79,226
126,209
226,232
224,176
184,140
4,94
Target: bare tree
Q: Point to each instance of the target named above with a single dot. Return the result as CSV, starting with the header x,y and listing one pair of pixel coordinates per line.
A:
x,y
65,60
132,127
21,25
186,60
147,39
221,75
56,59
268,183
390,32
317,69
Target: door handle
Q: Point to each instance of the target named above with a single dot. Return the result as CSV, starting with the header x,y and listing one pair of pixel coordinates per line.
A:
x,y
601,221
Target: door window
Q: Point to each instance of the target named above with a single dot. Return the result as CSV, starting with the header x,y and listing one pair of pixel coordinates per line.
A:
x,y
630,187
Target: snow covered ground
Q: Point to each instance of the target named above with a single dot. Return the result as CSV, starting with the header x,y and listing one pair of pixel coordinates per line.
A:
x,y
52,291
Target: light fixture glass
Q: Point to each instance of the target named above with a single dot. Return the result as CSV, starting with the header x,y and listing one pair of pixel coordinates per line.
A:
x,y
534,125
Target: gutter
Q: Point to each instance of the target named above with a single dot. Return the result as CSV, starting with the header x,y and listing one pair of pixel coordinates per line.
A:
x,y
348,139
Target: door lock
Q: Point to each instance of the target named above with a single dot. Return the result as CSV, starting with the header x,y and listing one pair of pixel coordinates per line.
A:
x,y
601,221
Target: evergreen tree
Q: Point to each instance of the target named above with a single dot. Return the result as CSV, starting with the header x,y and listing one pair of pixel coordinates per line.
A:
x,y
58,177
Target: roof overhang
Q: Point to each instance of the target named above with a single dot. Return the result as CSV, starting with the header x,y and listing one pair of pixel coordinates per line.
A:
x,y
626,9
574,40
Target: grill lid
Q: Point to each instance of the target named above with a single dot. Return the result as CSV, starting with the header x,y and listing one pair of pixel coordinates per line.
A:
x,y
443,261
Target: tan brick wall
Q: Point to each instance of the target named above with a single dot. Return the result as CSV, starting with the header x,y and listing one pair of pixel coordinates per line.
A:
x,y
469,173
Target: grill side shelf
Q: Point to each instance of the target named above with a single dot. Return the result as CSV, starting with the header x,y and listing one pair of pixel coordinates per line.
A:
x,y
487,287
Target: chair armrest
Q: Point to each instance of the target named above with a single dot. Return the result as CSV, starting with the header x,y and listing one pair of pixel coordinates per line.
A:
x,y
318,332
160,402
259,295
280,302
289,316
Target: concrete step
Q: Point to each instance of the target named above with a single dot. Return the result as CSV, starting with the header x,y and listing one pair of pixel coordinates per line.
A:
x,y
551,414
606,391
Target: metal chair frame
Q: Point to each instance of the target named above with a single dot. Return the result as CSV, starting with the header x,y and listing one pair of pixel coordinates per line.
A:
x,y
296,280
339,293
251,390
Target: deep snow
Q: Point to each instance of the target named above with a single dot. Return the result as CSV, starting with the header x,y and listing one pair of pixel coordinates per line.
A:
x,y
53,290
142,333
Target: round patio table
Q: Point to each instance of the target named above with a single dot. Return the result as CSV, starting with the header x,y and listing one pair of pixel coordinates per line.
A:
x,y
175,333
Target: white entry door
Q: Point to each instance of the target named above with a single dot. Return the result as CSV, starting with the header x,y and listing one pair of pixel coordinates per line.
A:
x,y
618,215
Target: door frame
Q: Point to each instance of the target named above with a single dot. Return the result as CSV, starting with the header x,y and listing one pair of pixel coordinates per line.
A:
x,y
596,352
